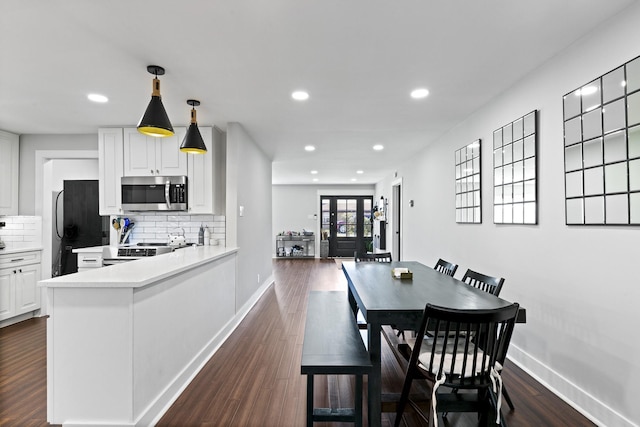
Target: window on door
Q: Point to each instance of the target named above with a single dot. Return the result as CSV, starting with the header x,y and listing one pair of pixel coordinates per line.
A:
x,y
347,224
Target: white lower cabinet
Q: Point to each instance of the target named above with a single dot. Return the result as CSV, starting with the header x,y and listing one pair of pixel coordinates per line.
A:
x,y
19,276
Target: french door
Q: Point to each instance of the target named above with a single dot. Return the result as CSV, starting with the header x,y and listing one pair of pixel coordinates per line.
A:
x,y
346,223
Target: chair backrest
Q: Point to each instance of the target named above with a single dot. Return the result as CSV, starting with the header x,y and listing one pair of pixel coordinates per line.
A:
x,y
446,267
465,344
492,285
373,257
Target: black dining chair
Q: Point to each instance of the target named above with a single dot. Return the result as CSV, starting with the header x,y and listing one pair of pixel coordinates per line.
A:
x,y
492,285
465,353
372,257
446,267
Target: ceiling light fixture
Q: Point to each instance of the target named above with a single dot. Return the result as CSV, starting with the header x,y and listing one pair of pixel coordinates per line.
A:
x,y
300,95
96,97
419,93
359,172
378,147
309,148
193,142
155,121
314,172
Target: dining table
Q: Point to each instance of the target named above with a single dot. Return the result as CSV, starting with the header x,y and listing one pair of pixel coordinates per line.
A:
x,y
386,300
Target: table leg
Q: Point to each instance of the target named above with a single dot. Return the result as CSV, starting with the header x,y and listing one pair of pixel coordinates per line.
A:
x,y
352,302
374,379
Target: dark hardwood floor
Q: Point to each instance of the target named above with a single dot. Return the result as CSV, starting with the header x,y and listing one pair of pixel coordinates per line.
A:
x,y
254,379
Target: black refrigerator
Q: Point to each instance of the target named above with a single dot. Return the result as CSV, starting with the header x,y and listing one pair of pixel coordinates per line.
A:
x,y
82,224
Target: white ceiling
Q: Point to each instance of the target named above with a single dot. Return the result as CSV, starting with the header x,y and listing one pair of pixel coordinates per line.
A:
x,y
358,59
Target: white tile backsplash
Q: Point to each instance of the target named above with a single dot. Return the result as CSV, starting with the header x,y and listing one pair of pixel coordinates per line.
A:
x,y
21,229
152,228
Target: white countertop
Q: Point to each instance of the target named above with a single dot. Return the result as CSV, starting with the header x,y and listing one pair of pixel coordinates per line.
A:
x,y
14,249
142,272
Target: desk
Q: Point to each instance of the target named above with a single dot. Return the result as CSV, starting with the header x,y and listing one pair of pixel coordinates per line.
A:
x,y
384,300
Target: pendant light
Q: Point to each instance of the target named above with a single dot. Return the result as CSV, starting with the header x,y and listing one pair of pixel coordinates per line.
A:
x,y
155,121
193,142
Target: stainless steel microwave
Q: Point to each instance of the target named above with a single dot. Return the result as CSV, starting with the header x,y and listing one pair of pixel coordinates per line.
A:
x,y
154,193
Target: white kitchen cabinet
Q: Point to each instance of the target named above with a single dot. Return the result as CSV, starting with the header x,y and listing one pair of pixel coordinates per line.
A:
x,y
19,276
206,175
9,163
110,167
150,156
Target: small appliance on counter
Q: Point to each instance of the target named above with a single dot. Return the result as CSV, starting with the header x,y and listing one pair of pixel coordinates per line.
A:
x,y
141,250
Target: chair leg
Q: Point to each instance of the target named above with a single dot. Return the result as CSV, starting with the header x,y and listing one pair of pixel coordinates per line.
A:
x,y
404,398
507,397
358,401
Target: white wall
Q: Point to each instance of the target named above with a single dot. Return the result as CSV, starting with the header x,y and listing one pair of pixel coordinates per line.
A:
x,y
295,205
578,284
29,144
248,185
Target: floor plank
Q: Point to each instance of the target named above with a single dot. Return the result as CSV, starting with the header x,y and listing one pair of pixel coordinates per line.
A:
x,y
254,379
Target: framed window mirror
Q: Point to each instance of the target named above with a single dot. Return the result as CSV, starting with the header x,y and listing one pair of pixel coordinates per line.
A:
x,y
515,188
602,149
468,188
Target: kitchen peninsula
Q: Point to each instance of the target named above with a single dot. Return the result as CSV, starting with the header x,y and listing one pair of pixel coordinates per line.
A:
x,y
124,340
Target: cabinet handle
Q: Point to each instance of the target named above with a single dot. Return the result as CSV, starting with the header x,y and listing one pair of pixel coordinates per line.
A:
x,y
151,171
17,259
90,259
157,172
15,272
20,270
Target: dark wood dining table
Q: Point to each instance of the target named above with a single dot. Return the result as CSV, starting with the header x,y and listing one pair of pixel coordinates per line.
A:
x,y
385,300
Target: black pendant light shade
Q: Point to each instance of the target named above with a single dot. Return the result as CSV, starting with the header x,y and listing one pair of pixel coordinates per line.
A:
x,y
155,121
193,142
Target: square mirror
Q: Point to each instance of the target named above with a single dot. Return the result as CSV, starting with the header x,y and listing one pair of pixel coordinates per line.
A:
x,y
633,109
617,209
590,94
592,152
615,178
592,124
507,173
529,191
518,129
507,214
573,157
518,171
530,213
497,157
574,211
593,181
497,139
613,85
518,213
573,131
497,214
594,210
571,104
613,116
507,153
518,150
518,192
530,146
573,184
634,142
507,134
615,147
530,123
633,75
507,193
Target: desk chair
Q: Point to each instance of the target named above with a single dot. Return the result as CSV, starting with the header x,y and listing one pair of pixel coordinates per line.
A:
x,y
446,267
464,353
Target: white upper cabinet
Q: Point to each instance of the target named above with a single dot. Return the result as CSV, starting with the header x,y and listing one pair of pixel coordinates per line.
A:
x,y
110,167
206,178
149,156
9,163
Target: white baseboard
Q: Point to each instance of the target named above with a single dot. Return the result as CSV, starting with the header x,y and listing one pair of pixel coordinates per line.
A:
x,y
163,402
588,405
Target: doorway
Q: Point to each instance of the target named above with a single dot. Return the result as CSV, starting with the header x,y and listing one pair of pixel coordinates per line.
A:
x,y
346,223
396,215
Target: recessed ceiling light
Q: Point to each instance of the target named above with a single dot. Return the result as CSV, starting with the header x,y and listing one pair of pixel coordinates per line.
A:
x,y
359,172
378,147
300,95
96,97
419,93
315,179
353,179
314,172
309,148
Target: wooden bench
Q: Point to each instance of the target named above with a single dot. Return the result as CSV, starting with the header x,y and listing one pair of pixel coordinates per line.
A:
x,y
333,346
